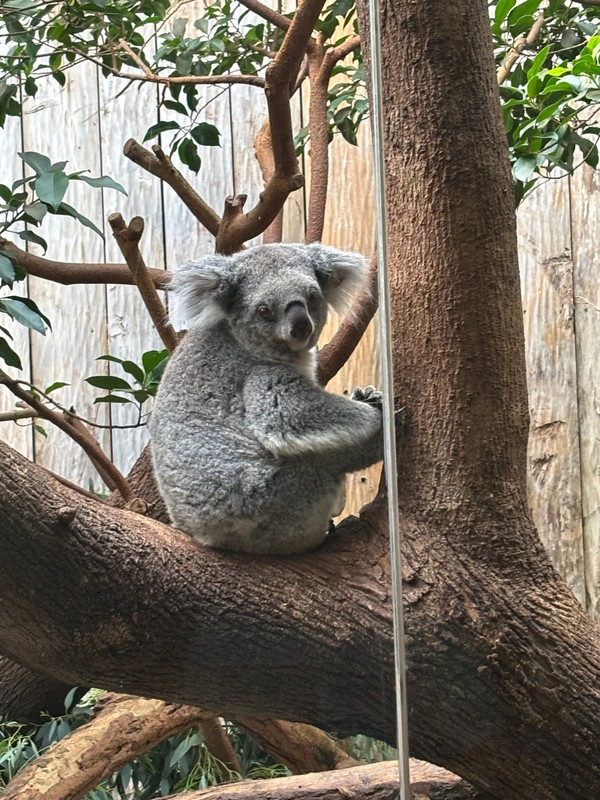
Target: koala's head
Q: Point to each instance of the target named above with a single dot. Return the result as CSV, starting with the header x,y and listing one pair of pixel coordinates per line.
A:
x,y
274,297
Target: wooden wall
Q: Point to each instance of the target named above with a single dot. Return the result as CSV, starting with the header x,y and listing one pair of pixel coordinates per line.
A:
x,y
88,122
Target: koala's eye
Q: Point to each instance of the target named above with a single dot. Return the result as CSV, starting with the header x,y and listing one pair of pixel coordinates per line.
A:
x,y
265,312
314,299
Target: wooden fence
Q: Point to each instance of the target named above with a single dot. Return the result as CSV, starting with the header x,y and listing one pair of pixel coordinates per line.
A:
x,y
88,122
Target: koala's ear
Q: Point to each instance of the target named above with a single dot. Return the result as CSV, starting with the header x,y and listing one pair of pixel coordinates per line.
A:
x,y
203,291
340,274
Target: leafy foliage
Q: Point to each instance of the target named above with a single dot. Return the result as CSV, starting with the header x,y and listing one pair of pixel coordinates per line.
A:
x,y
550,94
180,763
24,206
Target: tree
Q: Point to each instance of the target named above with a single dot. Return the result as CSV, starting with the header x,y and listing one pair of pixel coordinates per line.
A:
x,y
502,660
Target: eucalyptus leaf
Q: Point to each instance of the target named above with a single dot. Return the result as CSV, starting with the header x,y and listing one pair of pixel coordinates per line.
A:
x,y
51,187
8,355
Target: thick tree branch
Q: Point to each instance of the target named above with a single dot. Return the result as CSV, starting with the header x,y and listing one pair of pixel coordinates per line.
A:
x,y
336,353
159,164
124,728
367,782
263,150
128,238
70,273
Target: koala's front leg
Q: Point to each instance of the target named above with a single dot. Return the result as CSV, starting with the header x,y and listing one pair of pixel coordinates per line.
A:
x,y
290,416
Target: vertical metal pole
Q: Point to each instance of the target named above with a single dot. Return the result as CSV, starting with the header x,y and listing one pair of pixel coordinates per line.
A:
x,y
385,334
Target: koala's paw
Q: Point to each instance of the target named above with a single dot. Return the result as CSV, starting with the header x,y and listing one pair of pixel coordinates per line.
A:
x,y
368,395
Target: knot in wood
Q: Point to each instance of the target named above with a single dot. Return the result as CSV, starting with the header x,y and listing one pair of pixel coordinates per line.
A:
x,y
137,505
66,514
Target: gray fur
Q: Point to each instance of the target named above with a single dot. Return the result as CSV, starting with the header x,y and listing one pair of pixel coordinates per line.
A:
x,y
249,452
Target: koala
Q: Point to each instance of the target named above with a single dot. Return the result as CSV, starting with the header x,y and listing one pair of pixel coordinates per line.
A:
x,y
249,452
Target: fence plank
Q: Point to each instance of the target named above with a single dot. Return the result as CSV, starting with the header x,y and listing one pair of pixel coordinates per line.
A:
x,y
553,455
130,330
586,246
78,313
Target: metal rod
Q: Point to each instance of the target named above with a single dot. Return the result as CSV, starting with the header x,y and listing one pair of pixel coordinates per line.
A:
x,y
387,376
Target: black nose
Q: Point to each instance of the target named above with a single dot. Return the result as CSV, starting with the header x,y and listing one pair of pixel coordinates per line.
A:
x,y
300,323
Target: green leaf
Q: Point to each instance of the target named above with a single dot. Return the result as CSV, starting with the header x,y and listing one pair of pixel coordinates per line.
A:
x,y
161,127
36,210
5,193
30,87
26,312
8,355
7,270
112,398
206,134
179,26
502,9
110,382
40,430
51,188
66,210
132,369
30,236
104,182
54,386
188,153
38,163
523,167
538,62
152,358
110,358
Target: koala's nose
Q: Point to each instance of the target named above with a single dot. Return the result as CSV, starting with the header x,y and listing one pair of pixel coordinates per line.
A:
x,y
300,324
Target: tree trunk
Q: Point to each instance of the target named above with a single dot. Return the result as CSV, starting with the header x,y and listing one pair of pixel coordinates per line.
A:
x,y
503,664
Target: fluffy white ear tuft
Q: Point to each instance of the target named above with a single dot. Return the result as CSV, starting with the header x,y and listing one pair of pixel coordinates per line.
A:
x,y
341,274
199,289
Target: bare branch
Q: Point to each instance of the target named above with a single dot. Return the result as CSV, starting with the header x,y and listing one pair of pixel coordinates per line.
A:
x,y
18,413
159,164
77,431
263,150
518,46
335,353
69,273
339,53
319,144
302,748
139,61
128,238
365,782
274,17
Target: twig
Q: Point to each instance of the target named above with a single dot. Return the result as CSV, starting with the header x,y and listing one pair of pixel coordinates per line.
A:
x,y
159,164
336,353
139,61
69,273
518,46
274,17
128,238
78,433
18,413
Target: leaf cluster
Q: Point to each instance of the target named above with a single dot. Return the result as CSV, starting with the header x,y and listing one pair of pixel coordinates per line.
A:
x,y
549,96
23,206
146,378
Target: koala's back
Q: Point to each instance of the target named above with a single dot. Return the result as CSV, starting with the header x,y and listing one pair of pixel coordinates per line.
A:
x,y
219,483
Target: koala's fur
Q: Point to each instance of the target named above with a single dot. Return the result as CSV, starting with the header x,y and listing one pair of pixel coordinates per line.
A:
x,y
249,452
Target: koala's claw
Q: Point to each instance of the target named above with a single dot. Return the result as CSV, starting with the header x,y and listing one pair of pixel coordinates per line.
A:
x,y
368,395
